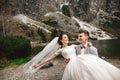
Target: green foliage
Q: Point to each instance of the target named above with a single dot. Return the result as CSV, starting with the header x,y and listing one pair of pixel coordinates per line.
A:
x,y
105,19
51,22
30,33
115,22
13,47
37,49
54,33
66,11
19,61
42,35
14,62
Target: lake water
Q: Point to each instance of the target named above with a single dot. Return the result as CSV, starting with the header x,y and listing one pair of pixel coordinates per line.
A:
x,y
109,48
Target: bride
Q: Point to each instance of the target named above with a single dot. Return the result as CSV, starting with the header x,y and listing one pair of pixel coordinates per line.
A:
x,y
80,67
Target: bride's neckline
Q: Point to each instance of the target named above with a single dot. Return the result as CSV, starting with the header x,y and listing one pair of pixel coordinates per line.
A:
x,y
65,46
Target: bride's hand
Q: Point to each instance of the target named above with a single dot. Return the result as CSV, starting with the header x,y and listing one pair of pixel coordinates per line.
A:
x,y
35,66
67,60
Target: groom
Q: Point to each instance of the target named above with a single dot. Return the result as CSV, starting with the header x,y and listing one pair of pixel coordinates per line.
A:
x,y
84,47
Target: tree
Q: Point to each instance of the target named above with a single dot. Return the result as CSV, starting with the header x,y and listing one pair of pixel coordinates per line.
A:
x,y
54,33
42,35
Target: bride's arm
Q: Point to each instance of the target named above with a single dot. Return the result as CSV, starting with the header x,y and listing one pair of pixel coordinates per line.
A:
x,y
45,61
74,45
49,58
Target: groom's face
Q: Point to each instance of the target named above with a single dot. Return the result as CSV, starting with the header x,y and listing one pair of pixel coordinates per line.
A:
x,y
82,37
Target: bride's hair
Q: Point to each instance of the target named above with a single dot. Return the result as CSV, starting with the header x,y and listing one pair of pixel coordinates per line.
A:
x,y
60,38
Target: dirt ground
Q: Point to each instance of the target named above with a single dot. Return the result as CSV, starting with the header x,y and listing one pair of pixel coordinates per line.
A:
x,y
54,72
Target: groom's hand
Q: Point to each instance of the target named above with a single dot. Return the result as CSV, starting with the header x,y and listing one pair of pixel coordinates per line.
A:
x,y
67,60
89,44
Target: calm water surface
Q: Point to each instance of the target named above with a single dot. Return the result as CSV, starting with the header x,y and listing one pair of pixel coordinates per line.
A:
x,y
108,47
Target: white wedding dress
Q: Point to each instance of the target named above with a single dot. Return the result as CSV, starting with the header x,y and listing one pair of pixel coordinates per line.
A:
x,y
87,66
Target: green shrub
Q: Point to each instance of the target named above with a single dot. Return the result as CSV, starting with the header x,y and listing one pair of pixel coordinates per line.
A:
x,y
66,10
13,47
51,22
42,35
54,33
14,62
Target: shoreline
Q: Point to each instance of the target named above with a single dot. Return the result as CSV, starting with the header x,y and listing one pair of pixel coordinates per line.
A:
x,y
54,72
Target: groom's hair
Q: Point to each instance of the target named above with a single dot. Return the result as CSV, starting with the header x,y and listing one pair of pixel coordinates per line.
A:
x,y
84,31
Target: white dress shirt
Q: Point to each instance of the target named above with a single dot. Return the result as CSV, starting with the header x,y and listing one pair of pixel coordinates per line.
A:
x,y
83,49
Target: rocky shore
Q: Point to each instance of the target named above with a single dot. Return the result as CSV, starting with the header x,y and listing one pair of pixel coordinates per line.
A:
x,y
54,72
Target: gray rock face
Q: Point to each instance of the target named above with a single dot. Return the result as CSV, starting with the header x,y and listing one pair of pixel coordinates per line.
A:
x,y
87,9
98,12
63,22
84,9
32,8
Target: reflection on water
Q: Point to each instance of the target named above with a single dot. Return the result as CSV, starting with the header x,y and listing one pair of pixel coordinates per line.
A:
x,y
108,47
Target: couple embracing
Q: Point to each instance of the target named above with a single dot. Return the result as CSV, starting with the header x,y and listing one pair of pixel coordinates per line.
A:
x,y
82,60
